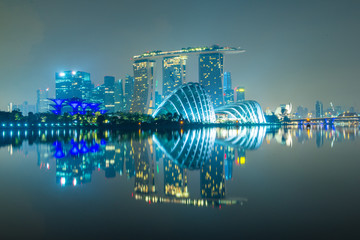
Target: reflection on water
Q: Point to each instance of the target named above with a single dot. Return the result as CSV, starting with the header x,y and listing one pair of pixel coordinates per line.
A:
x,y
159,164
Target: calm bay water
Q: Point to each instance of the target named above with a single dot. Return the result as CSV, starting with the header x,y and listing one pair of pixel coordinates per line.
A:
x,y
240,183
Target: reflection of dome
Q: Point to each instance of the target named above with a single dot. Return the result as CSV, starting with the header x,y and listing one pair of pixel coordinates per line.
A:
x,y
191,102
245,111
246,138
189,150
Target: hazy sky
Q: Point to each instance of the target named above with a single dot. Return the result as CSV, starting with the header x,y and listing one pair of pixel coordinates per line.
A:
x,y
296,51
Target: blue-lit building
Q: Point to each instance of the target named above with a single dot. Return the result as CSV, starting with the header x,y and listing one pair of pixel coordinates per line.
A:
x,y
73,84
228,91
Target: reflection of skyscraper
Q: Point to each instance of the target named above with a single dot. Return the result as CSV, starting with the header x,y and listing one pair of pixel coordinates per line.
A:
x,y
128,93
319,111
144,95
229,158
72,167
174,69
319,138
228,91
211,76
109,97
212,179
144,172
119,96
110,161
175,179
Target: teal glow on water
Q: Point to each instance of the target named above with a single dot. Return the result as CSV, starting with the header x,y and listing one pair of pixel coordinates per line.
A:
x,y
207,183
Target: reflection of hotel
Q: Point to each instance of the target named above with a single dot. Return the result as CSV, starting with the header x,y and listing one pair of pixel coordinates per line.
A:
x,y
175,180
144,170
212,178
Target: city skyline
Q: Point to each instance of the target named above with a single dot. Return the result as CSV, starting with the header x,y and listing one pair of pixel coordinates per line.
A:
x,y
293,53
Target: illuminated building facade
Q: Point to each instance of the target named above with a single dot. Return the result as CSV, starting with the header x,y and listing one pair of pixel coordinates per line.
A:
x,y
42,101
211,68
143,100
109,94
240,94
119,96
228,91
243,112
212,178
174,71
129,91
191,102
73,84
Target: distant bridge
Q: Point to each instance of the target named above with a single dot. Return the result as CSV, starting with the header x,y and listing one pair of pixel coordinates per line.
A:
x,y
326,120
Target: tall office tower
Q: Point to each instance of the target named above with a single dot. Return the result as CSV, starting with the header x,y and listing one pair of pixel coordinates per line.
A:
x,y
211,76
119,96
109,95
73,84
42,101
128,93
174,71
228,91
175,180
319,109
240,94
212,178
98,94
144,93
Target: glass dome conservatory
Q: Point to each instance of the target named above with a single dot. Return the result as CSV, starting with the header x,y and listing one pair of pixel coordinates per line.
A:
x,y
247,111
189,101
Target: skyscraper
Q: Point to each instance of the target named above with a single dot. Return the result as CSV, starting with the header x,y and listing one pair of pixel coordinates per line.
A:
x,y
128,93
174,71
319,109
73,84
119,96
240,94
228,91
109,96
211,76
144,95
42,101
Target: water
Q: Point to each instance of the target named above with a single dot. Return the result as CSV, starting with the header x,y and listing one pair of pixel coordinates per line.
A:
x,y
247,183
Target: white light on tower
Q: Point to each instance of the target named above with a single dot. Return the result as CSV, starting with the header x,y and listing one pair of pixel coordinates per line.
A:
x,y
73,72
62,74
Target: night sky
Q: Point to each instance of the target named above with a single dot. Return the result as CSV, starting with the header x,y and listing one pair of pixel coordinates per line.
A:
x,y
296,51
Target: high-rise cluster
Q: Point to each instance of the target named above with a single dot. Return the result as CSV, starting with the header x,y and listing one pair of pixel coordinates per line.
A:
x,y
111,96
